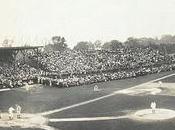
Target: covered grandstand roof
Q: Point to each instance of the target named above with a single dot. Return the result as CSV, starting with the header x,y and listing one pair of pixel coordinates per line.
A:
x,y
20,48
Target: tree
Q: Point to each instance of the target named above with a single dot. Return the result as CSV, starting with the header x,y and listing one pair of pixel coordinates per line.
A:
x,y
132,42
97,45
167,39
59,44
84,45
112,45
148,42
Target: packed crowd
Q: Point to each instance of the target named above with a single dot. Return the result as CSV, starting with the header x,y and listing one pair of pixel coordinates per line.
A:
x,y
72,68
101,77
77,62
14,75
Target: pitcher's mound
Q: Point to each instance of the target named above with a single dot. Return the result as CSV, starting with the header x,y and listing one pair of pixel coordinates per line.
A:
x,y
147,115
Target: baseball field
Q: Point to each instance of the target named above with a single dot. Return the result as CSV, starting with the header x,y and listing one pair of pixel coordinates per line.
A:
x,y
117,105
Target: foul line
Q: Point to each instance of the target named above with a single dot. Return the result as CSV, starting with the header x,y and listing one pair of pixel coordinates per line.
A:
x,y
76,105
5,89
99,98
87,119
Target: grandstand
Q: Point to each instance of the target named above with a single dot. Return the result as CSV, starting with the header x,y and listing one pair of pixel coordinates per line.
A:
x,y
10,53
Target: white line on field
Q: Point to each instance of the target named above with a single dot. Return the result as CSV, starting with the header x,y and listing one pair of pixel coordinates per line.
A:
x,y
99,98
76,105
87,119
5,89
137,86
154,80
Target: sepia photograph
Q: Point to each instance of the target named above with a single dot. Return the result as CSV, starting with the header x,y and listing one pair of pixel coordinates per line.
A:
x,y
87,64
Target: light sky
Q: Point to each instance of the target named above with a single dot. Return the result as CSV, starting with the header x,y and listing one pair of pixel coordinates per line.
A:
x,y
35,21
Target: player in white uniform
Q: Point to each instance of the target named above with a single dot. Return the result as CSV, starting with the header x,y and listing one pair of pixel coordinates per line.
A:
x,y
96,88
50,82
18,111
10,110
27,87
160,83
153,107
